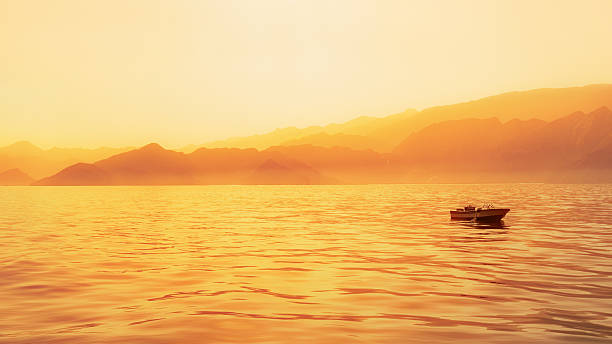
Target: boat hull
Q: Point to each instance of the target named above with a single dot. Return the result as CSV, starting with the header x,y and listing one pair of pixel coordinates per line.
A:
x,y
484,215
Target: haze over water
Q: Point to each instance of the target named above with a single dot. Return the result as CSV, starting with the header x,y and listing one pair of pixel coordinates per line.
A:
x,y
304,264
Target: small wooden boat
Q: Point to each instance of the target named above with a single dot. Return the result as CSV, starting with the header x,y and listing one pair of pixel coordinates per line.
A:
x,y
487,213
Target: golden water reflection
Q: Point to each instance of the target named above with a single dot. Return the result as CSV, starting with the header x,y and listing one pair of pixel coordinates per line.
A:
x,y
324,264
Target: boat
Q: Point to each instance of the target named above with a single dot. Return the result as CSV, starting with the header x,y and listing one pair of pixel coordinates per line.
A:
x,y
487,213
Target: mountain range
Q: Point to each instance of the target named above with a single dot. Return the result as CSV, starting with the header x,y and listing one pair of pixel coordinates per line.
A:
x,y
526,150
384,134
38,162
559,135
15,176
154,165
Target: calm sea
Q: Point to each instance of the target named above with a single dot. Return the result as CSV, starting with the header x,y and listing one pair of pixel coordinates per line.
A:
x,y
304,264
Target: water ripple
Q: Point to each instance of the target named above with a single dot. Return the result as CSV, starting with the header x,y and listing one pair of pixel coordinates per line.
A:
x,y
325,264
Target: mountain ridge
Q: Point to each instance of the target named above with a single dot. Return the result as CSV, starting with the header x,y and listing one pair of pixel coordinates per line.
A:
x,y
15,177
533,133
387,132
39,162
462,149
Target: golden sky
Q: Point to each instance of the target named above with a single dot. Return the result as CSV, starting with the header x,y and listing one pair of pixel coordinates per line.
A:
x,y
129,72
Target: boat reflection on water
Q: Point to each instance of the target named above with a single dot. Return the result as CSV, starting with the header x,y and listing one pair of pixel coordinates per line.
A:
x,y
479,231
481,225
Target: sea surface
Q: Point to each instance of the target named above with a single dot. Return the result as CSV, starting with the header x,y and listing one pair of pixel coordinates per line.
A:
x,y
304,264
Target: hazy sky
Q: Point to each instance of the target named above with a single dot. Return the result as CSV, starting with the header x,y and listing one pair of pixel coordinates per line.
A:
x,y
129,72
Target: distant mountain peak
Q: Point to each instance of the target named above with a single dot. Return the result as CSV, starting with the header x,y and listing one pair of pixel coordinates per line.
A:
x,y
77,174
382,134
15,176
23,144
152,147
604,110
14,171
24,147
271,164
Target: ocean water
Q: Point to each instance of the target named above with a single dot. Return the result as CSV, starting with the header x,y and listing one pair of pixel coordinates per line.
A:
x,y
304,264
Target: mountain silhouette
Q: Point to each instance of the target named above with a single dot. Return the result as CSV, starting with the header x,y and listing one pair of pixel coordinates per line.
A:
x,y
15,177
273,172
149,165
345,164
154,165
39,162
337,140
78,174
576,146
577,141
21,148
329,135
490,139
384,134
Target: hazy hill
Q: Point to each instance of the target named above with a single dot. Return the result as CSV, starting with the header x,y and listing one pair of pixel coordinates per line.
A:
x,y
600,158
568,139
223,160
259,141
38,162
576,147
545,104
452,143
154,165
78,174
346,164
21,148
15,177
330,158
384,134
148,165
490,137
151,164
292,173
337,140
357,131
579,141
